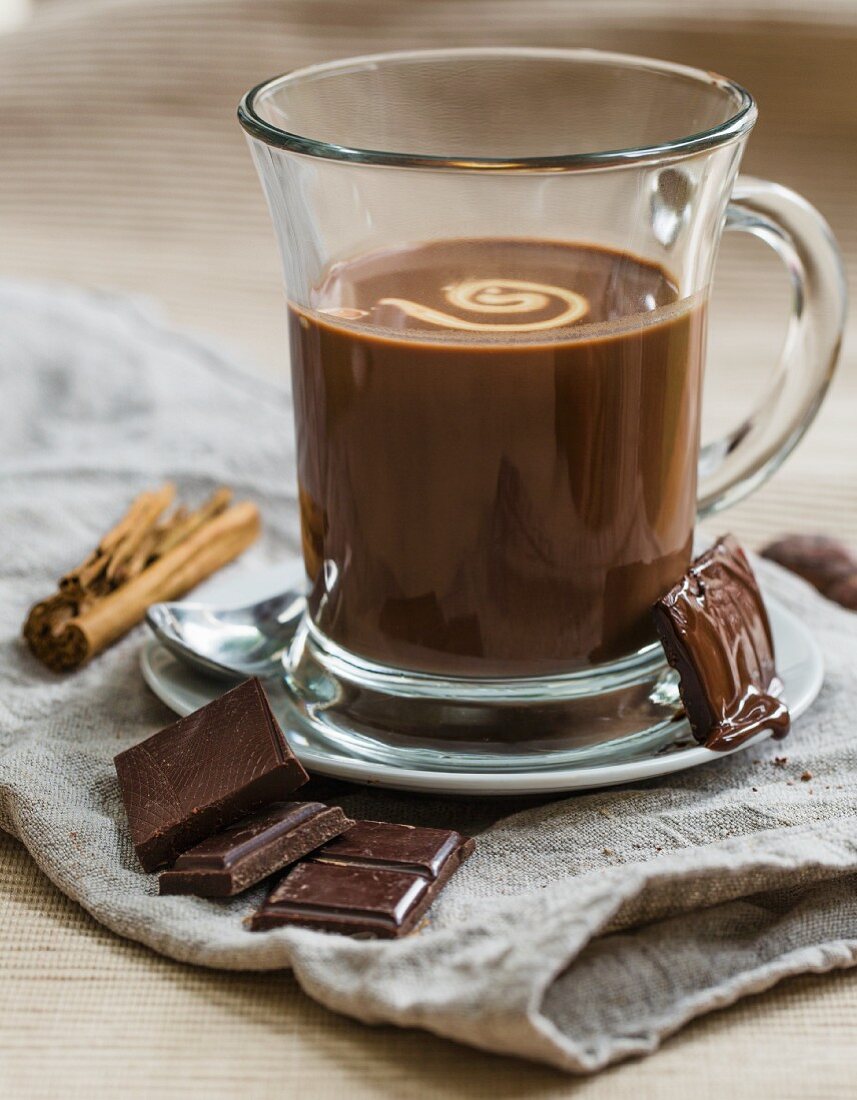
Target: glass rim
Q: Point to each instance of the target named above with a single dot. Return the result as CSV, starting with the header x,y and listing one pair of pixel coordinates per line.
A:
x,y
731,130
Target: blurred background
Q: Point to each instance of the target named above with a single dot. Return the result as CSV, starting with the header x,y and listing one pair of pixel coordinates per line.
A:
x,y
123,167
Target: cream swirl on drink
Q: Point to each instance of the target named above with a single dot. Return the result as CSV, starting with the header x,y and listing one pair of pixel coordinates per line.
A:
x,y
513,297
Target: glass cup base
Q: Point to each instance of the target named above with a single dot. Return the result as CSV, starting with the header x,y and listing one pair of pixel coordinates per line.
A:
x,y
415,720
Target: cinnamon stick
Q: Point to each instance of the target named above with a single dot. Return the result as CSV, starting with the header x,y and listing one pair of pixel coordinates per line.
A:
x,y
142,560
126,547
185,524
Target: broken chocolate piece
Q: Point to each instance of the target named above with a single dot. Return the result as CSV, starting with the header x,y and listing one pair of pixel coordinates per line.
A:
x,y
844,591
376,880
204,772
818,559
716,634
398,848
253,848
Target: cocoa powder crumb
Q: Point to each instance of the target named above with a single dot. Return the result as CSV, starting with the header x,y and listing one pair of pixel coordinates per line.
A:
x,y
806,776
780,761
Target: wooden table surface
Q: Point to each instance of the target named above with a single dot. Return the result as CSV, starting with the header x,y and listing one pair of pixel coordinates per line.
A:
x,y
123,168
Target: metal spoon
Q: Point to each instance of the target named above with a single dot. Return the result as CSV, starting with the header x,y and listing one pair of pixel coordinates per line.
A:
x,y
230,642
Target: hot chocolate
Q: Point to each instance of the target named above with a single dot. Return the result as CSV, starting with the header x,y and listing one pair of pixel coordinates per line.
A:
x,y
497,445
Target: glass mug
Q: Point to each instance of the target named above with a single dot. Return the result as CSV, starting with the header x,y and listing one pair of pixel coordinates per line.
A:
x,y
497,265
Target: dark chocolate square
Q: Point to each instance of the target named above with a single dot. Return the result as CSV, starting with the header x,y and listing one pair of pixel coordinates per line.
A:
x,y
204,772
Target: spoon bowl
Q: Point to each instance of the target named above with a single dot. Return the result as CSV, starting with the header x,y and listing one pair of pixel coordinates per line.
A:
x,y
229,642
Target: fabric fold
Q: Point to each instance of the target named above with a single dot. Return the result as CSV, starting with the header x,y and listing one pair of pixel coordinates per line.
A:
x,y
580,996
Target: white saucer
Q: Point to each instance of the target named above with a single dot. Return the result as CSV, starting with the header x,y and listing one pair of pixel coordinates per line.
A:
x,y
798,660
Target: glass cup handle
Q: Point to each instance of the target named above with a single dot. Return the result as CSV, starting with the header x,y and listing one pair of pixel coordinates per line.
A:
x,y
732,467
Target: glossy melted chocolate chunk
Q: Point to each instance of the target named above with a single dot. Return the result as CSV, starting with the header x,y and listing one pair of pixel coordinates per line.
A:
x,y
255,847
716,634
376,880
825,562
204,772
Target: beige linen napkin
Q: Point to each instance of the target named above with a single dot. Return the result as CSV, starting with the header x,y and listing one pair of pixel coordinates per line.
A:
x,y
583,930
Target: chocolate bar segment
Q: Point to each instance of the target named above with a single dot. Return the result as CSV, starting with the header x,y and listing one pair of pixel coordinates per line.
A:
x,y
376,880
423,851
204,772
352,900
716,634
255,847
